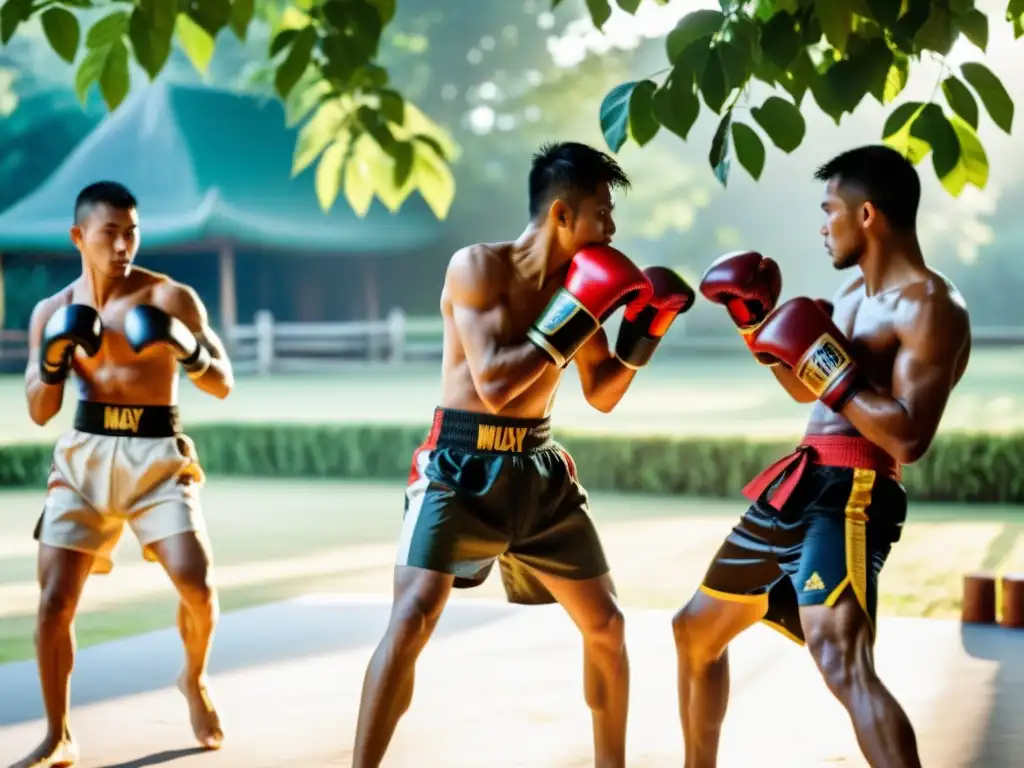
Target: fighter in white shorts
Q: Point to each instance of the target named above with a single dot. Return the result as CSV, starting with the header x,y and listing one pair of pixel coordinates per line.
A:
x,y
124,332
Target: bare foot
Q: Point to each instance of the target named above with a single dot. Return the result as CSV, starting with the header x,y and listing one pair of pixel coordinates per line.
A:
x,y
61,752
205,722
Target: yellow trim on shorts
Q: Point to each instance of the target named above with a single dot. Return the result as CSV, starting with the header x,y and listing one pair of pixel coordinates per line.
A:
x,y
783,631
733,598
856,537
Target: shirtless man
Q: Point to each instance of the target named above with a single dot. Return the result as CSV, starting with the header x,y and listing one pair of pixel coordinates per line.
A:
x,y
807,554
489,483
125,332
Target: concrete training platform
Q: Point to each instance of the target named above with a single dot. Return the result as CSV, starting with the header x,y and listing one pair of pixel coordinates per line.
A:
x,y
287,680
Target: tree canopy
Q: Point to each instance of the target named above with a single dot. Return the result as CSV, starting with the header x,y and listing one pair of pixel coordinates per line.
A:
x,y
751,64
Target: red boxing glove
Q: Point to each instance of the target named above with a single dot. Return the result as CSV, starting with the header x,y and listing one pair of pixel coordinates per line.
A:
x,y
641,331
600,280
801,336
747,283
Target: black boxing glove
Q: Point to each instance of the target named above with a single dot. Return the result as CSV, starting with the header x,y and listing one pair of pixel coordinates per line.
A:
x,y
73,325
147,325
643,329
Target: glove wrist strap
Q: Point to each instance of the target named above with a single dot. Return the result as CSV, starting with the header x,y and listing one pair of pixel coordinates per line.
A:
x,y
198,362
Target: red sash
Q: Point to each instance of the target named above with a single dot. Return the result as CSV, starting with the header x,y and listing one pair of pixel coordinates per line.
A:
x,y
852,451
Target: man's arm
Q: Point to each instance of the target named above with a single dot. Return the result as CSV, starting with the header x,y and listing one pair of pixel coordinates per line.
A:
x,y
44,400
933,335
502,369
603,378
792,384
182,302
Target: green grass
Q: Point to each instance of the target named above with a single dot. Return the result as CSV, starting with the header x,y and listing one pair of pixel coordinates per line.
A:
x,y
697,394
279,539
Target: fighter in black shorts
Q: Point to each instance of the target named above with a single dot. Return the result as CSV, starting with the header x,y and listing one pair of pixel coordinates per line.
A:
x,y
490,484
807,554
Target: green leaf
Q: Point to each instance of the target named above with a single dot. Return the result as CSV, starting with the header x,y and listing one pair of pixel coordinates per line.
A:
x,y
12,14
328,173
392,106
938,33
973,159
308,94
896,132
614,114
211,15
642,124
150,31
320,130
900,117
385,9
600,12
749,149
435,182
692,27
115,80
875,62
359,177
718,157
896,79
62,32
676,106
736,64
108,29
960,100
990,90
241,16
931,126
974,26
780,39
403,155
295,63
195,41
89,71
782,121
836,17
712,82
282,40
629,6
886,12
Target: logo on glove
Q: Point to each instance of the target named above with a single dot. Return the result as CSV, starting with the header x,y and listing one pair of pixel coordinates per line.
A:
x,y
822,364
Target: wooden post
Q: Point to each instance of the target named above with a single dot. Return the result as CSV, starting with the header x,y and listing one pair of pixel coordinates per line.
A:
x,y
1011,593
396,335
263,323
228,297
979,599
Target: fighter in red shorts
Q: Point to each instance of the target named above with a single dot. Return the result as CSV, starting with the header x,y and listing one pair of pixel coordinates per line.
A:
x,y
490,483
806,555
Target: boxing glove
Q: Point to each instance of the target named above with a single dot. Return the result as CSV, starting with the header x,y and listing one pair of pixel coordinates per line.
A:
x,y
826,306
642,330
747,284
147,325
801,336
599,281
73,325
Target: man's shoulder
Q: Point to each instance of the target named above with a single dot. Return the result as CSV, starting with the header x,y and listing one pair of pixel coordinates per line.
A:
x,y
50,304
478,267
852,284
931,304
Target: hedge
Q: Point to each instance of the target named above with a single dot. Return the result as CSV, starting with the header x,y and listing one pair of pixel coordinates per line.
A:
x,y
963,468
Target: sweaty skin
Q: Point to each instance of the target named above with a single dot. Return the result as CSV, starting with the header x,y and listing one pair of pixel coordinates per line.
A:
x,y
912,342
909,331
492,294
488,365
118,376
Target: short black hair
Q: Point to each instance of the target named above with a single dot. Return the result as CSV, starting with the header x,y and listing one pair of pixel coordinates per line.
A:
x,y
111,193
883,176
570,171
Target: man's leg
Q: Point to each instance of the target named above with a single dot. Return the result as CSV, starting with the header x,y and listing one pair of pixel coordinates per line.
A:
x,y
841,641
837,585
703,629
62,575
420,597
592,606
188,562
